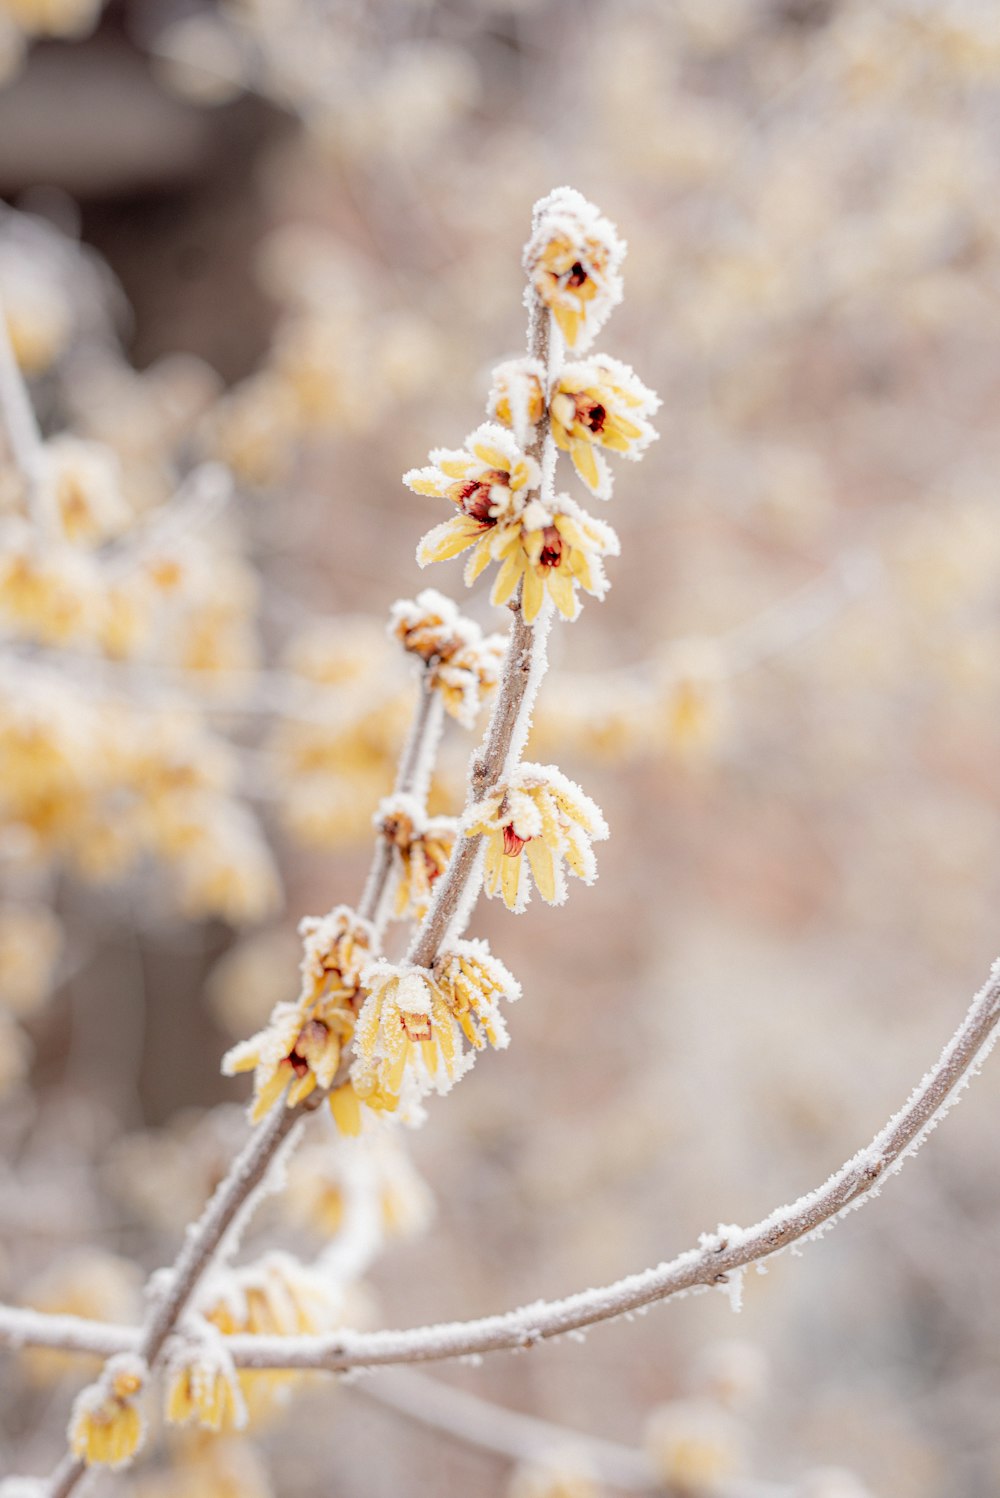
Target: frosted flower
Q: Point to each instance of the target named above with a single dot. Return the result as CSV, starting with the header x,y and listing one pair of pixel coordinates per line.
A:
x,y
573,261
337,946
694,1447
106,1427
554,549
302,1045
541,814
405,1025
202,1386
81,490
488,480
473,982
517,396
600,403
422,847
462,663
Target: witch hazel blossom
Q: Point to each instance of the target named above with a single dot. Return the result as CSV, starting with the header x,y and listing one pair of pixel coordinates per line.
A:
x,y
573,262
537,825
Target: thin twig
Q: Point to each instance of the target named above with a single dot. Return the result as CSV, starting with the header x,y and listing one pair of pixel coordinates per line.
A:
x,y
412,779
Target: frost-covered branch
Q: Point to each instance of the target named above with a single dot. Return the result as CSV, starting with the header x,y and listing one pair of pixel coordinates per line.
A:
x,y
718,1261
412,779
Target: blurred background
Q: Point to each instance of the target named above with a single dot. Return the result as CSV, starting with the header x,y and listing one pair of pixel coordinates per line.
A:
x,y
282,238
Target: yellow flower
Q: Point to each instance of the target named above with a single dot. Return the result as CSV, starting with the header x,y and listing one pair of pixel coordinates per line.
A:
x,y
301,1047
106,1427
473,981
540,813
406,1030
462,664
517,396
599,403
554,548
422,848
488,480
573,262
202,1386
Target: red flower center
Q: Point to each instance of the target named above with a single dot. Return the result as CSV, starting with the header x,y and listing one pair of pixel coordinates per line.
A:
x,y
577,275
591,414
551,548
512,844
474,495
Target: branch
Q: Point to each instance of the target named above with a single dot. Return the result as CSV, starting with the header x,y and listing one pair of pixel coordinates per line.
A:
x,y
719,1260
412,779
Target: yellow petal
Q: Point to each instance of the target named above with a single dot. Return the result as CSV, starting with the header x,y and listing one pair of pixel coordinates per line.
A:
x,y
454,468
346,1110
569,323
585,463
491,456
533,596
507,579
540,859
447,540
510,879
479,559
561,588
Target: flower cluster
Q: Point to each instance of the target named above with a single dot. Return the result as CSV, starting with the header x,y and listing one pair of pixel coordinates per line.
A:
x,y
540,820
301,1047
462,663
546,545
573,261
552,547
411,1027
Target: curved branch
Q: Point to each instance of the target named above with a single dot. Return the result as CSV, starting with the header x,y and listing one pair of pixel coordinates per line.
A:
x,y
720,1258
